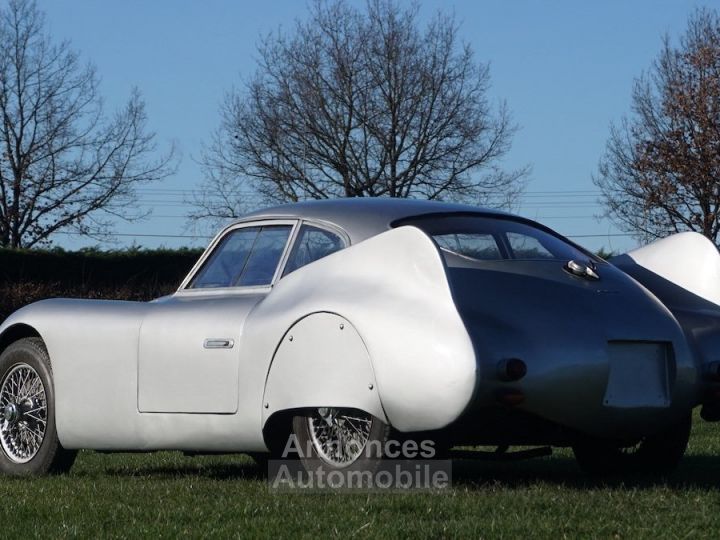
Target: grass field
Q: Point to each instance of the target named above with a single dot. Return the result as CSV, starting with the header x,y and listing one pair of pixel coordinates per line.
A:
x,y
166,494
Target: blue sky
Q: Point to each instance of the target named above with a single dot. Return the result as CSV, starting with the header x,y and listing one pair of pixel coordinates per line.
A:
x,y
565,68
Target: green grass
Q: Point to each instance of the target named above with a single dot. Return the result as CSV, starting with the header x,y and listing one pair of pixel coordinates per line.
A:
x,y
166,494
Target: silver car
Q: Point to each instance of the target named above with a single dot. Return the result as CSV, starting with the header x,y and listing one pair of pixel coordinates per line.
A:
x,y
352,322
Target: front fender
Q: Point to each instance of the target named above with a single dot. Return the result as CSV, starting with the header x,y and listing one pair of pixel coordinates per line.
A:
x,y
93,350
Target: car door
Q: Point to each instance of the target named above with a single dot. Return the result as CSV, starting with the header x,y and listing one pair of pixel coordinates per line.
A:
x,y
188,354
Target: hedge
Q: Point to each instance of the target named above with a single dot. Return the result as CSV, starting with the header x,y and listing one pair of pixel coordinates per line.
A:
x,y
27,276
95,266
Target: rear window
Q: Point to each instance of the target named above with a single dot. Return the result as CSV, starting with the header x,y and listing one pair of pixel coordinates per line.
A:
x,y
485,238
481,246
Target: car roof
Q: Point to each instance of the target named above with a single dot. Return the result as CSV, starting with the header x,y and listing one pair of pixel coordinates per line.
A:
x,y
363,217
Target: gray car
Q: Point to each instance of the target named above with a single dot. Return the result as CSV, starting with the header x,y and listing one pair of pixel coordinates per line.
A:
x,y
353,322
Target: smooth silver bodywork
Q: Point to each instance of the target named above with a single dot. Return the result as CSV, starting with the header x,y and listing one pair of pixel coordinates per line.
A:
x,y
386,326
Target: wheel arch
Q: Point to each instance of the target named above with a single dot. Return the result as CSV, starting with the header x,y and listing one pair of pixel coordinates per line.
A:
x,y
321,360
16,332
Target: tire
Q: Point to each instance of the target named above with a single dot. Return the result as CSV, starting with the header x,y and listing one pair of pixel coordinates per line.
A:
x,y
316,425
29,445
658,454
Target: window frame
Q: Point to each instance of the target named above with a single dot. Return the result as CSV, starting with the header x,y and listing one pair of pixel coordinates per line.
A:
x,y
294,227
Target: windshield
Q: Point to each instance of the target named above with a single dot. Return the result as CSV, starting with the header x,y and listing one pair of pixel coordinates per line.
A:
x,y
489,239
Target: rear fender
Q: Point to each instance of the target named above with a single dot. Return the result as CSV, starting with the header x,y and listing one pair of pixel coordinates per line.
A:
x,y
322,362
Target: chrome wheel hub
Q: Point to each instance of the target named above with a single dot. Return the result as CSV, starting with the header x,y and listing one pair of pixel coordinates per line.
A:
x,y
11,413
23,413
339,436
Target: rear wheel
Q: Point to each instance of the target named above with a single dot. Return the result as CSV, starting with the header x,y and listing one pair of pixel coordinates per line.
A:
x,y
28,438
340,439
658,454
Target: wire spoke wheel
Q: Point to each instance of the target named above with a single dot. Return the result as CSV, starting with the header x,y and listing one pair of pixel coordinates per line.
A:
x,y
23,413
339,436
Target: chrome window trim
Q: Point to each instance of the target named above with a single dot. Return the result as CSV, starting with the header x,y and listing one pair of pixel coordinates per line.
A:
x,y
294,223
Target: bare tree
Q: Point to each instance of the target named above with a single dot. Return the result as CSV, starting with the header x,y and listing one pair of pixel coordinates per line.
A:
x,y
661,170
361,103
64,164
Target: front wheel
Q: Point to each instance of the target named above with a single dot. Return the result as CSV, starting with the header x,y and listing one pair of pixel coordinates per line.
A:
x,y
658,454
340,439
28,439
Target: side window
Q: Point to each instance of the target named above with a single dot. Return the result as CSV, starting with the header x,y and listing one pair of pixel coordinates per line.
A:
x,y
312,244
244,257
527,247
263,261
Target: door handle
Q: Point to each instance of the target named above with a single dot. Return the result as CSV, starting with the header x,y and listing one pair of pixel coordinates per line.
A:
x,y
218,343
